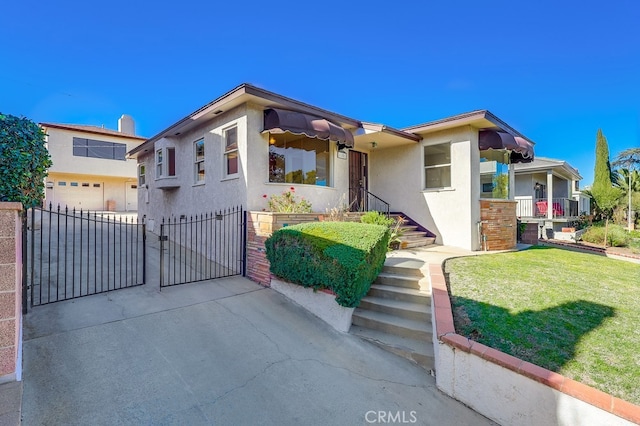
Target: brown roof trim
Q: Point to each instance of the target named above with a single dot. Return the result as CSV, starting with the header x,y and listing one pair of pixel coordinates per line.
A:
x,y
92,129
386,129
466,118
246,88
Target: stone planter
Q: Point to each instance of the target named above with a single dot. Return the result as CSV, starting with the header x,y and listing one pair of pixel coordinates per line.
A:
x,y
321,304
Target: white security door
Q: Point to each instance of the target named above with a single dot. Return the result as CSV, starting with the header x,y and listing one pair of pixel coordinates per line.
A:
x,y
132,196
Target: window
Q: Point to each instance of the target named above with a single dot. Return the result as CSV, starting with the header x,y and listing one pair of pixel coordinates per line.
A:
x,y
299,159
142,178
159,163
74,183
437,166
61,183
199,161
85,184
231,151
96,185
99,149
165,162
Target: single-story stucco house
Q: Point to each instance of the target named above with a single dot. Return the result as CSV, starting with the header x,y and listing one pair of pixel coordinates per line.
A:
x,y
250,142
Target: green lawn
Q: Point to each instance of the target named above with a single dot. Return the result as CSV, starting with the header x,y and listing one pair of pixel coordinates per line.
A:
x,y
573,313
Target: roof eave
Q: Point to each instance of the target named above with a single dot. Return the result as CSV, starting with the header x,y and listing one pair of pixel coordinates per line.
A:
x,y
375,127
94,132
235,93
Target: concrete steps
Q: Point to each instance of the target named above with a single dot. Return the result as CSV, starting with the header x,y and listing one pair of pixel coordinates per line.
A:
x,y
396,315
411,235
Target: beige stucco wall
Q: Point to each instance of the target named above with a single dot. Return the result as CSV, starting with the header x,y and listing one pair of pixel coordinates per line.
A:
x,y
111,188
112,175
60,146
397,176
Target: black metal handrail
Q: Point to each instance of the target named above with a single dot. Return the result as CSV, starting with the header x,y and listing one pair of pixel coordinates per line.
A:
x,y
371,202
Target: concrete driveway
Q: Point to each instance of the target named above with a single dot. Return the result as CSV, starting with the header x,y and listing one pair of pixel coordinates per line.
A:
x,y
225,352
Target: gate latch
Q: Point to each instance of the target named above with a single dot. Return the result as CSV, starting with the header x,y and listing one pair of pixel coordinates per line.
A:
x,y
163,238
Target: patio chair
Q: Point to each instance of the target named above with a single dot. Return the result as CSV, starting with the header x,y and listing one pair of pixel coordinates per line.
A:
x,y
541,206
557,209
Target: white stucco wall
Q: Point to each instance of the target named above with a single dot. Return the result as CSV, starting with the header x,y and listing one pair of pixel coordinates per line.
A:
x,y
252,183
510,398
321,197
190,197
397,176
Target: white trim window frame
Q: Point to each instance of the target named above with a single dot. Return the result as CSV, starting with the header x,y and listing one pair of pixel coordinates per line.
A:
x,y
142,172
230,166
159,163
198,161
437,166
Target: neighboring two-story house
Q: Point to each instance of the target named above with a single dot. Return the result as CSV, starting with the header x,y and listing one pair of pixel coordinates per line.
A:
x,y
90,170
251,143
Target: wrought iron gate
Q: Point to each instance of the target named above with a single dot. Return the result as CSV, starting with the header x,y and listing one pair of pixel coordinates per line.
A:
x,y
202,247
72,254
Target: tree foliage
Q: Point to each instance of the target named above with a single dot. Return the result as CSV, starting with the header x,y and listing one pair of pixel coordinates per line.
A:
x,y
603,192
24,160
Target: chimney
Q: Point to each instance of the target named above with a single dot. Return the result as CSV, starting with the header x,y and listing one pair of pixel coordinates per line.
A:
x,y
126,125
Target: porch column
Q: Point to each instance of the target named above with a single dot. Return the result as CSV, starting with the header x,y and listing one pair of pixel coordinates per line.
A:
x,y
549,194
512,182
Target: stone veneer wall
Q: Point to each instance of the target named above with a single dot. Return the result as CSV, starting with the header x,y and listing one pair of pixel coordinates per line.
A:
x,y
499,224
10,288
261,225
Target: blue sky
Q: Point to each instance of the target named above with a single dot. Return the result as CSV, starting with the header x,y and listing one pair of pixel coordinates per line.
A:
x,y
555,70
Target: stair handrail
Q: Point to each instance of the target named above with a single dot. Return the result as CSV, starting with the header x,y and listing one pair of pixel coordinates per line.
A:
x,y
377,200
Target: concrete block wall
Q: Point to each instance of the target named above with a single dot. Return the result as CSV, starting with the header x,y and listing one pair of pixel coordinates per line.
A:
x,y
499,224
10,290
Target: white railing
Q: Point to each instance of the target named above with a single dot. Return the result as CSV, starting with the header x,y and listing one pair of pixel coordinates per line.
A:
x,y
560,207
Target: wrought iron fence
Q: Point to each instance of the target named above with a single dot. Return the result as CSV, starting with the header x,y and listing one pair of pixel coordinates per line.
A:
x,y
75,253
202,247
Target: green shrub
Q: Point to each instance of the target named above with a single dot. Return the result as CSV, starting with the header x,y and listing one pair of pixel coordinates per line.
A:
x,y
345,257
376,218
24,160
617,236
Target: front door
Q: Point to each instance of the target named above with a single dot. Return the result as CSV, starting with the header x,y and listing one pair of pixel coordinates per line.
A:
x,y
357,181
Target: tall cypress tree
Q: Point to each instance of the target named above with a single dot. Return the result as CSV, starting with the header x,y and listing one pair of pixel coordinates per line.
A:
x,y
605,195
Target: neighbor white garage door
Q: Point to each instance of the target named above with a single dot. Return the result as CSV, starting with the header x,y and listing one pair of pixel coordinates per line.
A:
x,y
78,195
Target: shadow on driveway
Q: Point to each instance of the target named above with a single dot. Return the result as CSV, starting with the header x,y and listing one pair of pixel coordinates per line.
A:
x,y
222,352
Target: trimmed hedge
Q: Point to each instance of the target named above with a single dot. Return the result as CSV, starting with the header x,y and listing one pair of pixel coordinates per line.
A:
x,y
345,257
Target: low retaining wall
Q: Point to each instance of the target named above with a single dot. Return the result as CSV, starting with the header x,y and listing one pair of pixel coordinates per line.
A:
x,y
505,388
321,304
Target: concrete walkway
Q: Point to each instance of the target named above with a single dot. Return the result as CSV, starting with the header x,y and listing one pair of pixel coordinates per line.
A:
x,y
225,352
